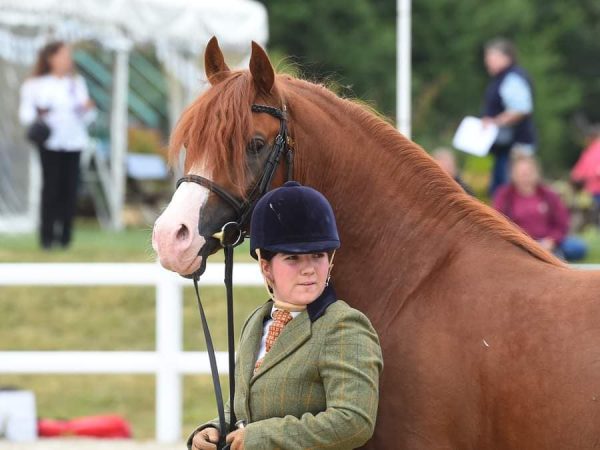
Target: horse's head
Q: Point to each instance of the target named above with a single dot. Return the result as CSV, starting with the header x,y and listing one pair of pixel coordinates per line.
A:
x,y
235,137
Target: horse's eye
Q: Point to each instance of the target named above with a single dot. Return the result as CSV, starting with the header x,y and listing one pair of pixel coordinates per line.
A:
x,y
256,145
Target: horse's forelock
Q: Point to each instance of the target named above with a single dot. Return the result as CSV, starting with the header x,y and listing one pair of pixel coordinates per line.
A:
x,y
215,129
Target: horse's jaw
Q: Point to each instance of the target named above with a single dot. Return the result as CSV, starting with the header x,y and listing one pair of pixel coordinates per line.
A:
x,y
175,237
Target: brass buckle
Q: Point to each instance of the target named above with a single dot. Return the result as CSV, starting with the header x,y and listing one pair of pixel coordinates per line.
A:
x,y
230,235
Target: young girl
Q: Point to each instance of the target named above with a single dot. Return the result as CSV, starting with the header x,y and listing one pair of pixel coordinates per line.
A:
x,y
307,373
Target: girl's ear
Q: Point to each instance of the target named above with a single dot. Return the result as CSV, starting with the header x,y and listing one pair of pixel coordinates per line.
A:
x,y
265,267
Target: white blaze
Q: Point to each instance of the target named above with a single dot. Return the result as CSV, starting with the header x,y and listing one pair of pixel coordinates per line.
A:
x,y
176,238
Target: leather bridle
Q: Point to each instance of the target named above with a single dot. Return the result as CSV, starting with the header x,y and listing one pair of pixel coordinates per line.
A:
x,y
231,235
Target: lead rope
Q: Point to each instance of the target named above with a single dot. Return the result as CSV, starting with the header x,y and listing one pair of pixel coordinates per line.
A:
x,y
230,348
230,332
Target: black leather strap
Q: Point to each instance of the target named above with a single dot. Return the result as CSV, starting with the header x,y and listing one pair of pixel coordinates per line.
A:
x,y
213,364
275,112
208,184
230,333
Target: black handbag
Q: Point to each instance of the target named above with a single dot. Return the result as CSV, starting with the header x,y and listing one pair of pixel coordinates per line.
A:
x,y
38,132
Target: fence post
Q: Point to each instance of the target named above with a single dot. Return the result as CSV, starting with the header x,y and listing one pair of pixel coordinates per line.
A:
x,y
169,337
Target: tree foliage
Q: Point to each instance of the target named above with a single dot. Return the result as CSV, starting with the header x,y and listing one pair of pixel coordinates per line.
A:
x,y
353,44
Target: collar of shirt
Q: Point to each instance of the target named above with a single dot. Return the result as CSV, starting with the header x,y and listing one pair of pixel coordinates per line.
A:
x,y
318,307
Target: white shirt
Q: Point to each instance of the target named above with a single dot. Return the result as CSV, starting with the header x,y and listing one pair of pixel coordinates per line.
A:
x,y
65,97
263,342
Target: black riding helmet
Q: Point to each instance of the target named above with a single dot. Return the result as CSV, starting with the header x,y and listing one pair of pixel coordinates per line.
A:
x,y
293,219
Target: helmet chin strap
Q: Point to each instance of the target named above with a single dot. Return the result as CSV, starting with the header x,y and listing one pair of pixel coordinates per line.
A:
x,y
330,268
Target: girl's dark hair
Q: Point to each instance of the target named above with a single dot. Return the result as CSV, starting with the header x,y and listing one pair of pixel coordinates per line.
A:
x,y
267,255
42,65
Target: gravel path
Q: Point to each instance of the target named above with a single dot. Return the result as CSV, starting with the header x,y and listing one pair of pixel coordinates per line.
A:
x,y
89,444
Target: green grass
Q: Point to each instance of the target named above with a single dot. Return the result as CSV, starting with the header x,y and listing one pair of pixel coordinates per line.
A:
x,y
91,244
107,318
111,318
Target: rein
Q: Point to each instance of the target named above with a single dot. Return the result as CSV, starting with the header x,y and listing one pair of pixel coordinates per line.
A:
x,y
231,235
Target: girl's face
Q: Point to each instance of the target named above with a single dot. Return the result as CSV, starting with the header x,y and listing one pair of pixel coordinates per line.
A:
x,y
297,279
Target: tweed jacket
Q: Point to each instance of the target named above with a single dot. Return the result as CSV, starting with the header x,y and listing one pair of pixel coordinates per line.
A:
x,y
318,386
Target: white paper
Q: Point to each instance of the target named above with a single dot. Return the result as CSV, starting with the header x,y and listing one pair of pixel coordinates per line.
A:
x,y
472,137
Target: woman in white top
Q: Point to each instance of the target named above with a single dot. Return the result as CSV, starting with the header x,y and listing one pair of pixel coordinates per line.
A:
x,y
57,95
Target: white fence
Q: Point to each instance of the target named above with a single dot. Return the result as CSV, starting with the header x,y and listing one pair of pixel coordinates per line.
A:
x,y
168,362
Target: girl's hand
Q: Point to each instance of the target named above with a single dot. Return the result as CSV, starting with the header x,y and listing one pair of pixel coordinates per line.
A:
x,y
236,439
206,439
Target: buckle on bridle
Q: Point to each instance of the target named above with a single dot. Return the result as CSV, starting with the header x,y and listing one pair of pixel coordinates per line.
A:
x,y
230,235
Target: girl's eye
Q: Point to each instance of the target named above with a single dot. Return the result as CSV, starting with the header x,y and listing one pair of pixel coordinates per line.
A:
x,y
256,145
318,255
291,257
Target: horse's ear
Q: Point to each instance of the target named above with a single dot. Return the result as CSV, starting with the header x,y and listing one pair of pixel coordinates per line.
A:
x,y
261,69
214,64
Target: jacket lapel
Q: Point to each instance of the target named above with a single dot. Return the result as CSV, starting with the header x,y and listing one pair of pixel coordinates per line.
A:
x,y
251,344
295,333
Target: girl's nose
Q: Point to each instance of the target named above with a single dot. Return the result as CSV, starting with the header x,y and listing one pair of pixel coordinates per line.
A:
x,y
308,268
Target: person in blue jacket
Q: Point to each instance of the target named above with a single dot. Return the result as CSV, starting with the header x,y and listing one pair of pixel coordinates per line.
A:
x,y
508,103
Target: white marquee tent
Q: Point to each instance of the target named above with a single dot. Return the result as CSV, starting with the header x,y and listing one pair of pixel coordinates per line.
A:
x,y
177,29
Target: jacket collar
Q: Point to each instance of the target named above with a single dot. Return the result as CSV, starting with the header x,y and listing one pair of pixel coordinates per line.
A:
x,y
296,333
317,308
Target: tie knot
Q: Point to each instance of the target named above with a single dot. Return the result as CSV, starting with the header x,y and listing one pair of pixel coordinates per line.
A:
x,y
282,316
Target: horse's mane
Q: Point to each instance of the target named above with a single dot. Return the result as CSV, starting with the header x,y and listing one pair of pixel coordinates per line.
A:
x,y
219,121
416,165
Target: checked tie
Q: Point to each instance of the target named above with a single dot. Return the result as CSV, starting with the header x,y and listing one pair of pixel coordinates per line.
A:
x,y
281,318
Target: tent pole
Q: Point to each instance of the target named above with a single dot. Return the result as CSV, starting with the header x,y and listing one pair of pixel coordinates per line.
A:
x,y
403,66
118,136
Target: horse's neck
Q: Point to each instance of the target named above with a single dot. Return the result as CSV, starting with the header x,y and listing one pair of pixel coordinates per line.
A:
x,y
390,238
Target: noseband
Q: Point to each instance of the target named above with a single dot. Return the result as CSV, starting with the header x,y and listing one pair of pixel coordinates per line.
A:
x,y
232,233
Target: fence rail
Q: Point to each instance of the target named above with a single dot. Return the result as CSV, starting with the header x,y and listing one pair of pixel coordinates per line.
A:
x,y
168,362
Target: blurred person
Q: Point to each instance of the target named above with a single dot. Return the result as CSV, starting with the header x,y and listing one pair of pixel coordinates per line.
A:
x,y
447,161
538,210
58,97
586,171
508,103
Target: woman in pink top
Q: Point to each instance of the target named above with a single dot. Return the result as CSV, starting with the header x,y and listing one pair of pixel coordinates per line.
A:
x,y
538,210
587,168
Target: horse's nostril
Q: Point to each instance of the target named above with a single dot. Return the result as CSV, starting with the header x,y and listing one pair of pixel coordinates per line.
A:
x,y
182,233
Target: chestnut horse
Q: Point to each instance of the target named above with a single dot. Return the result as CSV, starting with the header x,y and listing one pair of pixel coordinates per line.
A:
x,y
489,342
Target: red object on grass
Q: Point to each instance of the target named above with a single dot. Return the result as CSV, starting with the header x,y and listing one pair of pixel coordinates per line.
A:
x,y
91,426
